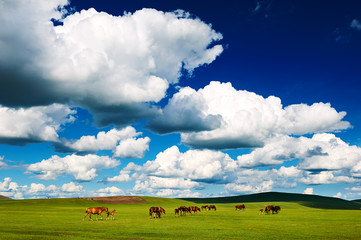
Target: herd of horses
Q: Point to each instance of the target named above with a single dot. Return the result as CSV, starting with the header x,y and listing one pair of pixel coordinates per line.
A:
x,y
157,212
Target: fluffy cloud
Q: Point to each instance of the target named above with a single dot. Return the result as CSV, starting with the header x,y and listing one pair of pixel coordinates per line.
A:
x,y
37,190
35,124
308,191
122,142
83,168
196,165
132,148
103,62
235,119
110,191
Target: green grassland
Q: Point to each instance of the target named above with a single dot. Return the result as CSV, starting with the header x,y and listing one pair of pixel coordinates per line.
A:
x,y
63,219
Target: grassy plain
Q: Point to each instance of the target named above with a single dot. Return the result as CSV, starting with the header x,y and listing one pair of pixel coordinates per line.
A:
x,y
63,219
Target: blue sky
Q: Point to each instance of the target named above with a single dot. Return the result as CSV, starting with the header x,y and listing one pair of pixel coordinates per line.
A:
x,y
179,98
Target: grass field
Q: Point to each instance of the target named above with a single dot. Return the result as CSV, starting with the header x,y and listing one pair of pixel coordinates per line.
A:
x,y
63,219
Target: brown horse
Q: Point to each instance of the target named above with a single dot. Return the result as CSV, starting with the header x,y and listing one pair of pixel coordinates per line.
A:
x,y
276,209
194,209
112,214
176,211
240,207
95,210
268,209
204,207
212,207
156,211
183,210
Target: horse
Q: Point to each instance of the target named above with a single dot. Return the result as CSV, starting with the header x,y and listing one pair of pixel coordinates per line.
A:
x,y
183,210
212,207
95,210
240,207
176,211
276,209
204,207
261,211
112,214
268,209
194,209
157,211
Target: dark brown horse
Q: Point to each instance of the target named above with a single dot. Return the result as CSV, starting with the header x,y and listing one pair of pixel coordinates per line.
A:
x,y
156,212
95,210
204,207
240,207
268,209
212,207
276,209
176,211
183,210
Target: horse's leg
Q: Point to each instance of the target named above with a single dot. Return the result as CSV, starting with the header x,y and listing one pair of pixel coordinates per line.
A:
x,y
85,216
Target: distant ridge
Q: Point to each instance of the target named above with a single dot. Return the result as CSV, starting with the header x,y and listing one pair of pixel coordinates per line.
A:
x,y
4,198
314,201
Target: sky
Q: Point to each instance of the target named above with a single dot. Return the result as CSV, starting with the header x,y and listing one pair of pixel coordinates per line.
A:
x,y
179,98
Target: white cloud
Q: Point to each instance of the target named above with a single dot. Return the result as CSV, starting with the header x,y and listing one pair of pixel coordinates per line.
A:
x,y
83,168
132,148
264,186
23,125
122,177
110,191
197,165
123,143
240,118
103,62
71,187
355,24
308,191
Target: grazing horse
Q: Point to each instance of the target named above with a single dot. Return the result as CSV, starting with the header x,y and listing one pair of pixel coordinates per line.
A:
x,y
112,214
194,209
176,211
276,209
95,210
241,207
212,207
261,211
157,211
268,209
204,207
183,210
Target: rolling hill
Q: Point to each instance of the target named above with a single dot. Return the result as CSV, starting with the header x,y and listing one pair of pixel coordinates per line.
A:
x,y
4,198
314,201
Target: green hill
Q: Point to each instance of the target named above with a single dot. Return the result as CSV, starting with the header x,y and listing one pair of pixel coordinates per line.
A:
x,y
4,198
313,201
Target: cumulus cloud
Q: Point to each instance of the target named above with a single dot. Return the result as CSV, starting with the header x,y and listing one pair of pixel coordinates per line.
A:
x,y
123,143
235,119
103,62
82,168
308,191
37,190
196,165
132,148
35,124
